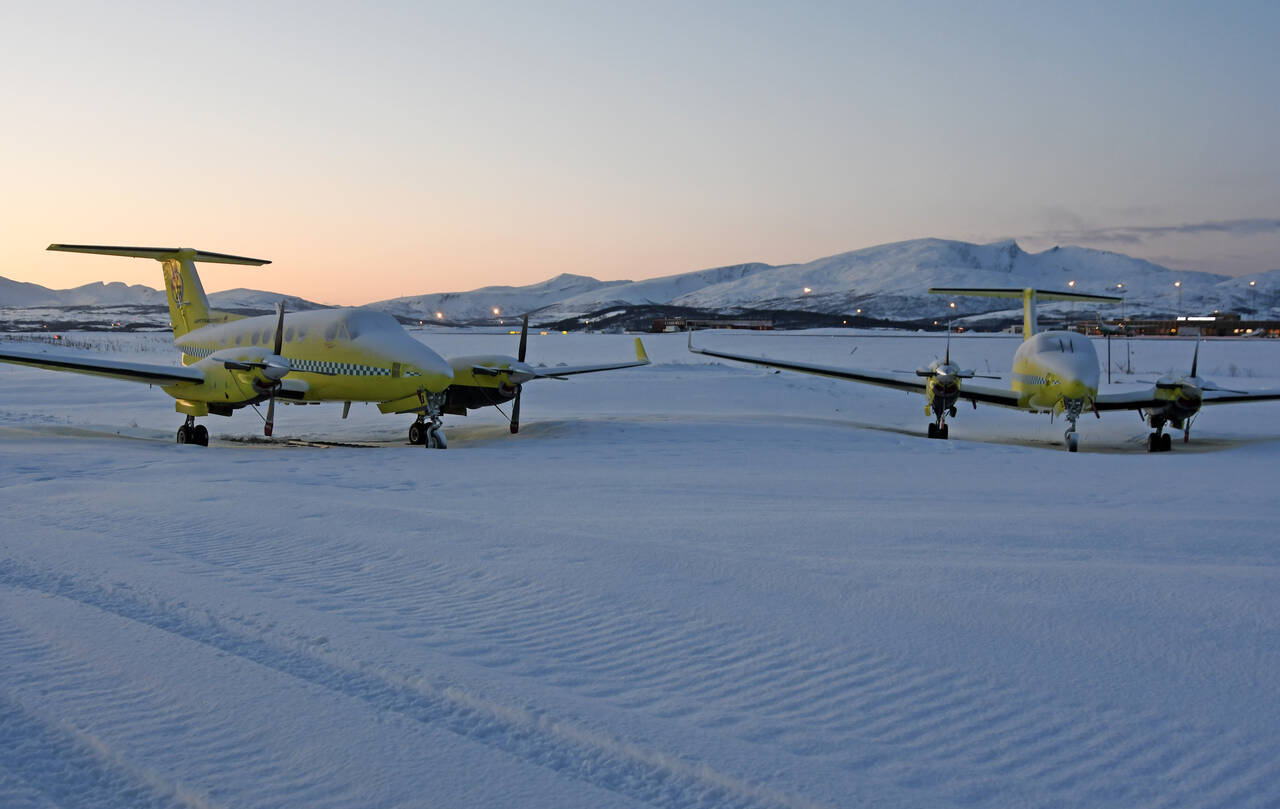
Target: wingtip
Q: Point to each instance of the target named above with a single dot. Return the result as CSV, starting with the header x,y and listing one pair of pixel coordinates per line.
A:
x,y
641,354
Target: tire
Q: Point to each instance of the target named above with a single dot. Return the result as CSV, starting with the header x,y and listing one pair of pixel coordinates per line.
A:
x,y
436,439
1073,442
933,430
944,431
201,435
1166,442
184,435
1153,443
417,433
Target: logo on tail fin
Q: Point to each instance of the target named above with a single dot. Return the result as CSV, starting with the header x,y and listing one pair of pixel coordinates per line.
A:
x,y
175,280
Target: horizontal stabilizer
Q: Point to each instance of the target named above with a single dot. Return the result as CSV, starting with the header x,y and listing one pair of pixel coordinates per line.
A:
x,y
1041,294
158,253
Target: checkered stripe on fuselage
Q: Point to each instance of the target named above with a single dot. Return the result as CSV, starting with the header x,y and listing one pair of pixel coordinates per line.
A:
x,y
318,366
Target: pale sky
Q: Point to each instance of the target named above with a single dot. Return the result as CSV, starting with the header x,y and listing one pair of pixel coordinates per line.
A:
x,y
372,150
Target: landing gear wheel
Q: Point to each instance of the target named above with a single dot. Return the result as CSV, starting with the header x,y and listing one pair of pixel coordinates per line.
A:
x,y
1166,442
185,436
1153,442
933,430
201,435
418,433
1073,442
436,439
943,431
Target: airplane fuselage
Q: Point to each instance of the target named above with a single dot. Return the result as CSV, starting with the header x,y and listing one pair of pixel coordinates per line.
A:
x,y
340,355
1053,368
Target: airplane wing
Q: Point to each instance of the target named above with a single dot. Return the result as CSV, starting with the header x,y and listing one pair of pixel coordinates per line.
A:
x,y
1214,397
1145,398
883,378
642,358
1128,400
98,366
886,379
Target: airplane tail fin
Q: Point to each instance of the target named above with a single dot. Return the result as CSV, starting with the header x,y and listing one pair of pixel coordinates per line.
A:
x,y
1029,297
188,305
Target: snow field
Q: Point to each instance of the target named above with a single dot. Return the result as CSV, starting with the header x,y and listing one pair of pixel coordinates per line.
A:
x,y
690,584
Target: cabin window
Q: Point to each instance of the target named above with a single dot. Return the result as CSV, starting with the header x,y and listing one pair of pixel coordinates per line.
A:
x,y
288,334
331,332
239,339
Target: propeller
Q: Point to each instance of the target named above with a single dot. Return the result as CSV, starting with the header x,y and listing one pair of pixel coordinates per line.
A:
x,y
524,345
276,346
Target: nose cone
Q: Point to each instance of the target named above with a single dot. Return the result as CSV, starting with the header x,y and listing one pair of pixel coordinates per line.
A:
x,y
1076,373
436,372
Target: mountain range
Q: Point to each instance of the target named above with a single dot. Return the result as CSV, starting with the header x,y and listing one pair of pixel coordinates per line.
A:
x,y
887,282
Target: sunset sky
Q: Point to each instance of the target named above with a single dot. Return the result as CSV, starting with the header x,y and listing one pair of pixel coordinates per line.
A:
x,y
386,149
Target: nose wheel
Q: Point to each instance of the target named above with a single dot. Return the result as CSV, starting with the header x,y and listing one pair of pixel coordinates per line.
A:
x,y
1072,410
427,430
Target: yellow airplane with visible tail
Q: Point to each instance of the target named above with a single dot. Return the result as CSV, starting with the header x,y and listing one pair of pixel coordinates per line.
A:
x,y
1053,372
338,355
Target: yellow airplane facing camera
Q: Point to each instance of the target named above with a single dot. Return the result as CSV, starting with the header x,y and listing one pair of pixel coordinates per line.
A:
x,y
1053,372
325,355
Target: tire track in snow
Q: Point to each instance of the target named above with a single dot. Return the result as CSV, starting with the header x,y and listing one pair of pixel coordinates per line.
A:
x,y
47,762
862,711
650,776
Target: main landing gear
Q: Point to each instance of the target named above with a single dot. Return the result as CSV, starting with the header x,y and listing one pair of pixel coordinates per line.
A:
x,y
192,433
426,431
1158,441
938,427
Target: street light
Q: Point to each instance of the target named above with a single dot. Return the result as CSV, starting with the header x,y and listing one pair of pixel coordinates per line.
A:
x,y
1253,298
1178,284
807,290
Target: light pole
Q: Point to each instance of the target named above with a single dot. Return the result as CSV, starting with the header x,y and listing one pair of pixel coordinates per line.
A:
x,y
1128,339
1253,298
1178,285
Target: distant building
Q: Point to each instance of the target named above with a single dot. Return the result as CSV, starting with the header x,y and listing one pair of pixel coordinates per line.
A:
x,y
1219,324
670,324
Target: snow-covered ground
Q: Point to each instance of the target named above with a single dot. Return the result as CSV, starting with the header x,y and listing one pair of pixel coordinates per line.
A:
x,y
693,584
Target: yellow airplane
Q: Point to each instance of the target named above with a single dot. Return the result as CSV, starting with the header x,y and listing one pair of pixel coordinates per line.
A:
x,y
340,355
1053,372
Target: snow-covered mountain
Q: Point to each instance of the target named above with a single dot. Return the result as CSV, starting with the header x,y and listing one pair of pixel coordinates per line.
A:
x,y
479,304
888,281
19,294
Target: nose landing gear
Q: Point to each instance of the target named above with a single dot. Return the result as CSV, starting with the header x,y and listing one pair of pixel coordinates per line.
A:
x,y
426,431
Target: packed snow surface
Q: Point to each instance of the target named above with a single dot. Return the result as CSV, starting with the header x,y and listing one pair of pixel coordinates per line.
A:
x,y
693,584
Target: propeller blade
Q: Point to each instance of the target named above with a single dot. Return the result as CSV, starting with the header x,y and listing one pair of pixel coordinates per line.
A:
x,y
279,343
1195,357
947,359
524,343
515,410
271,416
